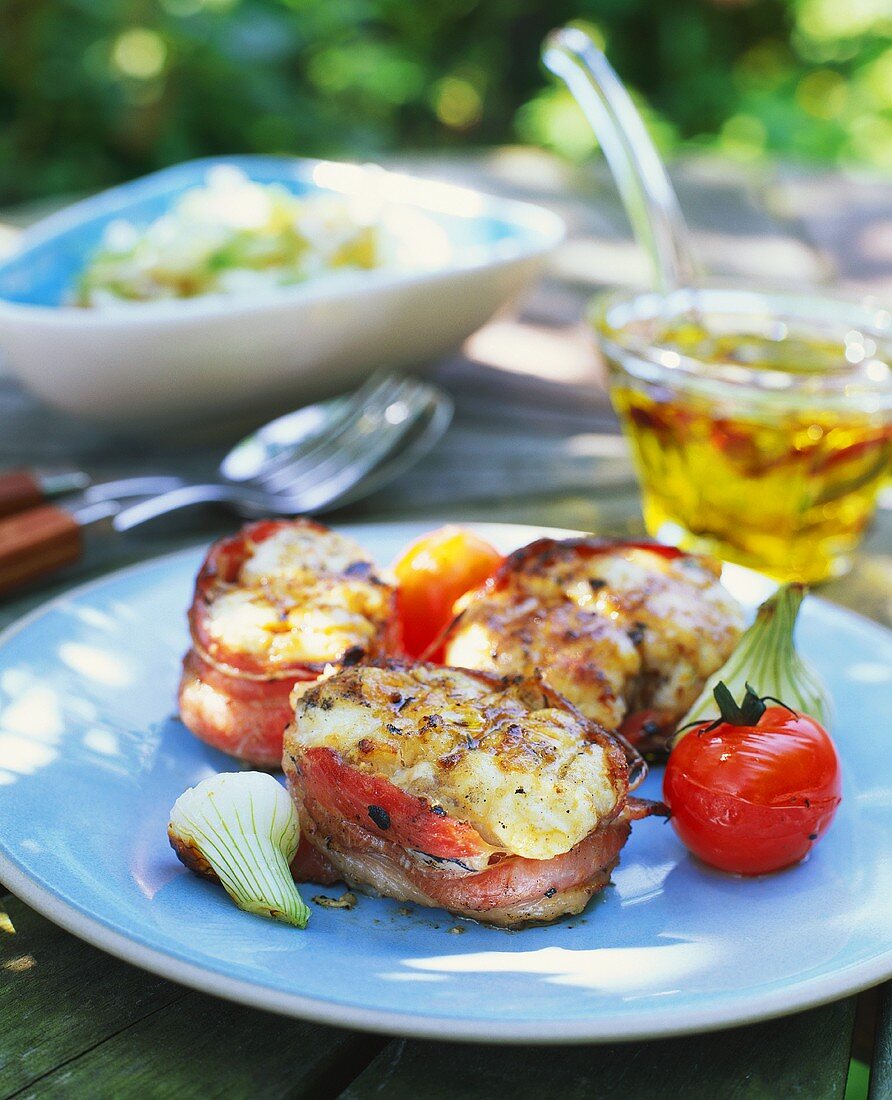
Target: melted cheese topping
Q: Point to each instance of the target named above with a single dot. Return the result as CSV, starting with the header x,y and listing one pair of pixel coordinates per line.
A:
x,y
302,596
684,622
586,658
518,769
298,552
617,631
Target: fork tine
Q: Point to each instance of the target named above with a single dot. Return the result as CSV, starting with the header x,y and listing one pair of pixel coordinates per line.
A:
x,y
322,487
428,429
351,408
304,457
302,463
360,440
351,464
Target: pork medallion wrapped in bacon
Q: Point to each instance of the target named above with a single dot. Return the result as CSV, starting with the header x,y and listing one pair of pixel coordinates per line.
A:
x,y
629,632
276,606
450,788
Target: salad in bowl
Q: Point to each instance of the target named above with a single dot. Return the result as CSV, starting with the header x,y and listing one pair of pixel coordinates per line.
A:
x,y
230,285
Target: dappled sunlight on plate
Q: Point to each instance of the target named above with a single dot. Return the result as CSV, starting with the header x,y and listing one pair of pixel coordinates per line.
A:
x,y
619,970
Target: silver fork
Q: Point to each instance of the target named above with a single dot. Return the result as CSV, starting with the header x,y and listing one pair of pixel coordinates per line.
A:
x,y
370,445
297,437
365,435
366,441
280,457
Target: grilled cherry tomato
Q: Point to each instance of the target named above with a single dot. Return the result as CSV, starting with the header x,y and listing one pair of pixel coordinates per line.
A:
x,y
432,574
753,791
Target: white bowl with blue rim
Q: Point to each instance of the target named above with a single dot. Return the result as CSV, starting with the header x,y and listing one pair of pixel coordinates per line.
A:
x,y
191,359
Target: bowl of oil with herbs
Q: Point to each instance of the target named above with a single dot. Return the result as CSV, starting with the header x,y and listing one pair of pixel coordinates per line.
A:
x,y
760,424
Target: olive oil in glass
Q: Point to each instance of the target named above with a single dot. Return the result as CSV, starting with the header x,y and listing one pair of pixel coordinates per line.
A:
x,y
760,445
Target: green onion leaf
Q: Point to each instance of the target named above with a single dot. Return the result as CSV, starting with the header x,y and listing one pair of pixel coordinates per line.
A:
x,y
765,665
241,829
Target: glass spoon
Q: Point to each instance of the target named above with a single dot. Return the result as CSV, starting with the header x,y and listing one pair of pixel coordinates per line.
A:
x,y
641,177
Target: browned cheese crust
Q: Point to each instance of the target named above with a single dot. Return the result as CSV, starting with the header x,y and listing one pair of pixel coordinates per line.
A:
x,y
617,628
496,800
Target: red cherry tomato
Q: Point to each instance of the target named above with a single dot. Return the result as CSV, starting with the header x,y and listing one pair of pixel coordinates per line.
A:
x,y
753,798
432,574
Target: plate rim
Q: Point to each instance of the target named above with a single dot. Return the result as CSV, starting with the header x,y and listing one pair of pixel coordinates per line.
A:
x,y
651,1024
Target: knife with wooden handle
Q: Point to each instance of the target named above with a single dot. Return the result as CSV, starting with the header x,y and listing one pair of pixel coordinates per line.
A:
x,y
45,538
36,542
22,488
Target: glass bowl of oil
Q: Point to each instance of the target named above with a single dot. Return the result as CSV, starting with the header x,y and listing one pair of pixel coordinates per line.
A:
x,y
760,423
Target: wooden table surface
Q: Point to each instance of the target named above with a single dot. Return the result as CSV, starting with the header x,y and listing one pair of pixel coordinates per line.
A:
x,y
532,442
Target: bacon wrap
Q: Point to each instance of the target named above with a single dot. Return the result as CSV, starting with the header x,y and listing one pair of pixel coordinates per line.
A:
x,y
511,890
377,805
616,659
242,717
310,865
378,836
235,701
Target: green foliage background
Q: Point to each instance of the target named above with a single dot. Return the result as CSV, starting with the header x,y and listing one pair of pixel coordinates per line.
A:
x,y
93,91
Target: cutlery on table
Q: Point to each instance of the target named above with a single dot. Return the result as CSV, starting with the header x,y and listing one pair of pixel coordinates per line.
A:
x,y
371,444
23,489
41,539
308,461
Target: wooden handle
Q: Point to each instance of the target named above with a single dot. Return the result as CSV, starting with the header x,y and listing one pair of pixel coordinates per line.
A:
x,y
19,489
36,542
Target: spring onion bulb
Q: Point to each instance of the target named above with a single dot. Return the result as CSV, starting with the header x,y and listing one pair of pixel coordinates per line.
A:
x,y
241,830
766,660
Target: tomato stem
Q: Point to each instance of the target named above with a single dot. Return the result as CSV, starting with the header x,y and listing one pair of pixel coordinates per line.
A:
x,y
747,713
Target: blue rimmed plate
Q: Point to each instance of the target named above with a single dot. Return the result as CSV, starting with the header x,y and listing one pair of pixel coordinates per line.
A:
x,y
92,758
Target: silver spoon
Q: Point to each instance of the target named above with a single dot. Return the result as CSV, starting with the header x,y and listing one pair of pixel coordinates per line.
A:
x,y
644,185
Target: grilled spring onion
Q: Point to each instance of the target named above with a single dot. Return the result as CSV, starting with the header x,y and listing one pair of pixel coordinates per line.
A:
x,y
766,658
241,830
